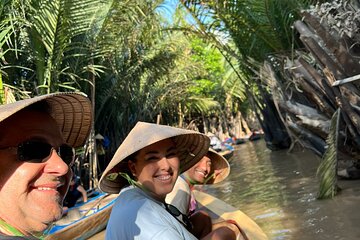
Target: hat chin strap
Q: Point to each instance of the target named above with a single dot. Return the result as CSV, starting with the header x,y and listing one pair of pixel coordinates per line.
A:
x,y
135,178
189,180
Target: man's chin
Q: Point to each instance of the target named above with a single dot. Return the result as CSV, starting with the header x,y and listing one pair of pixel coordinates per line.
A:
x,y
53,215
200,181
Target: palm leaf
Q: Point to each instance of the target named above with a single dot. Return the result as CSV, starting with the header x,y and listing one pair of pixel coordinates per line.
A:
x,y
201,105
327,168
2,93
54,28
5,34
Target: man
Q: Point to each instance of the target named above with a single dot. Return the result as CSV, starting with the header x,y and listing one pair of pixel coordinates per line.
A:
x,y
212,168
75,192
37,137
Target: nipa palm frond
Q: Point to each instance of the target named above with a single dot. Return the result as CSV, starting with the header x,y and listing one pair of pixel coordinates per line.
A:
x,y
327,169
201,105
2,93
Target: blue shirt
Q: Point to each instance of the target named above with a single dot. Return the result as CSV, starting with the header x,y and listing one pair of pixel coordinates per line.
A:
x,y
136,215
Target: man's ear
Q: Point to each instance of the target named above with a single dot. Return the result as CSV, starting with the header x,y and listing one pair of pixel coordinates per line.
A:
x,y
217,172
131,166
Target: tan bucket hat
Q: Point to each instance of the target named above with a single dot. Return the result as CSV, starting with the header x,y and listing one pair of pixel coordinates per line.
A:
x,y
71,111
218,164
191,147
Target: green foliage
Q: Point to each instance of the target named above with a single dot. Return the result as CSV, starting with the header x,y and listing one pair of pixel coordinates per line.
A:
x,y
258,28
48,44
209,56
327,170
121,50
248,33
2,93
202,87
202,105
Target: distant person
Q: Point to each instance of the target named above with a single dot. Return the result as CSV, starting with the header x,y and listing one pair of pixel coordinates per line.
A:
x,y
37,137
100,151
75,192
212,168
151,157
215,142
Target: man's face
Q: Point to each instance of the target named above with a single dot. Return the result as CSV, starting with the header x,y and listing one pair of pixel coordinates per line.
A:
x,y
31,194
200,171
157,168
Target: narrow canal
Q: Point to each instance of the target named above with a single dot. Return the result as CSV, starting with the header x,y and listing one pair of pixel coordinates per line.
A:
x,y
278,190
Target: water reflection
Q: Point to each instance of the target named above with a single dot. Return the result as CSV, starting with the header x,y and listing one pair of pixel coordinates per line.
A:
x,y
278,190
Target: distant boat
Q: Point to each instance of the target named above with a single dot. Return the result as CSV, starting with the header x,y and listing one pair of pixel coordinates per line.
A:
x,y
230,141
227,151
85,219
255,137
240,141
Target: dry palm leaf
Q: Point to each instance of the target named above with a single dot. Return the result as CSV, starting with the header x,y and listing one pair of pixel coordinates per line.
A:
x,y
327,169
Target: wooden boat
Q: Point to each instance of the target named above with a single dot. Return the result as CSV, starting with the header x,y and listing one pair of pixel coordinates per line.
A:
x,y
256,135
240,141
220,211
227,153
84,220
229,141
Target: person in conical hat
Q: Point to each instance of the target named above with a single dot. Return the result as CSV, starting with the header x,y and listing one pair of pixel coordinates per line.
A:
x,y
212,168
37,137
144,170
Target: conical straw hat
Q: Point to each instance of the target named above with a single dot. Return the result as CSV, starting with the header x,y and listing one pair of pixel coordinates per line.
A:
x,y
99,137
71,111
191,147
218,164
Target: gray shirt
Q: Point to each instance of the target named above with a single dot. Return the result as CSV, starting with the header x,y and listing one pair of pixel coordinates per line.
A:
x,y
180,196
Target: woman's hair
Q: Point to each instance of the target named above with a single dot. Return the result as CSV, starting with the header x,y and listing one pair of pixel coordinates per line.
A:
x,y
132,157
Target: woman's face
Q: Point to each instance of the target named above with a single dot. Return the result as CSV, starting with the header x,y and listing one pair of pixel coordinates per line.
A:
x,y
156,167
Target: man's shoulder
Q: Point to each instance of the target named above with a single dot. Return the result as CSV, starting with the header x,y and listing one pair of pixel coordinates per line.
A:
x,y
182,184
180,195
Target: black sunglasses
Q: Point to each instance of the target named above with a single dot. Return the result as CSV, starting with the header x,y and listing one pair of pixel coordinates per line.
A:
x,y
176,213
37,152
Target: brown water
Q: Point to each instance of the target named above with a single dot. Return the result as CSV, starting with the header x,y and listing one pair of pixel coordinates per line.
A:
x,y
278,190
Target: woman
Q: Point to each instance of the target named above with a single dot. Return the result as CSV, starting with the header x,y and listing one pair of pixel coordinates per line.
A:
x,y
151,158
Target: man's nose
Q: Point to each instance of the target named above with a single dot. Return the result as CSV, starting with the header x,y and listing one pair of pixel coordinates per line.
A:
x,y
56,165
